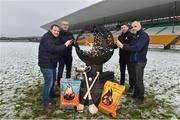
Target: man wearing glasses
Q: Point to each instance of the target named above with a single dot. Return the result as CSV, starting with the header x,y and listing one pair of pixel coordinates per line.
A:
x,y
66,58
138,50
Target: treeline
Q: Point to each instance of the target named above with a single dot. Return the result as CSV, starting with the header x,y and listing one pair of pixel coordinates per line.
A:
x,y
30,39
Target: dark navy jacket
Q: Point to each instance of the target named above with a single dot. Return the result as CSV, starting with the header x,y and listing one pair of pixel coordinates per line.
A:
x,y
49,51
138,47
64,37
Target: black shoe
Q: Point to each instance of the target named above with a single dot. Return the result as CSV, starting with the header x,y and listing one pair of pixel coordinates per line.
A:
x,y
121,83
134,96
130,90
138,101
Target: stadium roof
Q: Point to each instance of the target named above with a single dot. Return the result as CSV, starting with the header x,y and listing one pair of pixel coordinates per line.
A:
x,y
109,11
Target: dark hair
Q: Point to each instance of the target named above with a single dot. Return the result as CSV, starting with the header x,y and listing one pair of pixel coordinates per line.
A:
x,y
125,23
54,25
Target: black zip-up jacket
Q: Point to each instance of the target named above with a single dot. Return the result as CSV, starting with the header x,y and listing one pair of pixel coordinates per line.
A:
x,y
138,47
124,38
49,51
64,37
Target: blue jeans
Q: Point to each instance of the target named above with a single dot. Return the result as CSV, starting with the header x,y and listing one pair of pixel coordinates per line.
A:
x,y
49,76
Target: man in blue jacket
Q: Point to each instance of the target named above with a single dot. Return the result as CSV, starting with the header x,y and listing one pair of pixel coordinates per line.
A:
x,y
138,50
47,60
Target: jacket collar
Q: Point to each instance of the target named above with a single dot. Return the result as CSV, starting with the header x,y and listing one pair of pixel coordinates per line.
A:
x,y
63,32
50,33
138,32
126,34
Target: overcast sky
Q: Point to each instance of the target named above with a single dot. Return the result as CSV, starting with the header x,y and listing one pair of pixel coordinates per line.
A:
x,y
24,17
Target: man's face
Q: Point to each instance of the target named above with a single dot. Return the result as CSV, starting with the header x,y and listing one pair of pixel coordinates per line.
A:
x,y
135,27
124,28
65,25
55,31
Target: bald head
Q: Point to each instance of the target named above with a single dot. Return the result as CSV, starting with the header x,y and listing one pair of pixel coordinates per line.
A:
x,y
65,25
136,26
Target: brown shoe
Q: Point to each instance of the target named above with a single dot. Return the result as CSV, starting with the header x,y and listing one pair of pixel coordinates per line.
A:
x,y
48,108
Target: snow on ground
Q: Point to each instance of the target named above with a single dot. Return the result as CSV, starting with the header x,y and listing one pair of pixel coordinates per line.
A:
x,y
19,70
163,77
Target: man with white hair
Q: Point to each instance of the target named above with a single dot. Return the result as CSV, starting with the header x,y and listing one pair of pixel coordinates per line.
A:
x,y
138,50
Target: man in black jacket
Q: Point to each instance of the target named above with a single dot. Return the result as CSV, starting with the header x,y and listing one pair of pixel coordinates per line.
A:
x,y
66,58
47,60
125,38
138,48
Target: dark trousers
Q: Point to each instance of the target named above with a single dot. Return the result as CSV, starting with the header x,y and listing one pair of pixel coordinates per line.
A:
x,y
62,62
123,63
130,67
138,69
